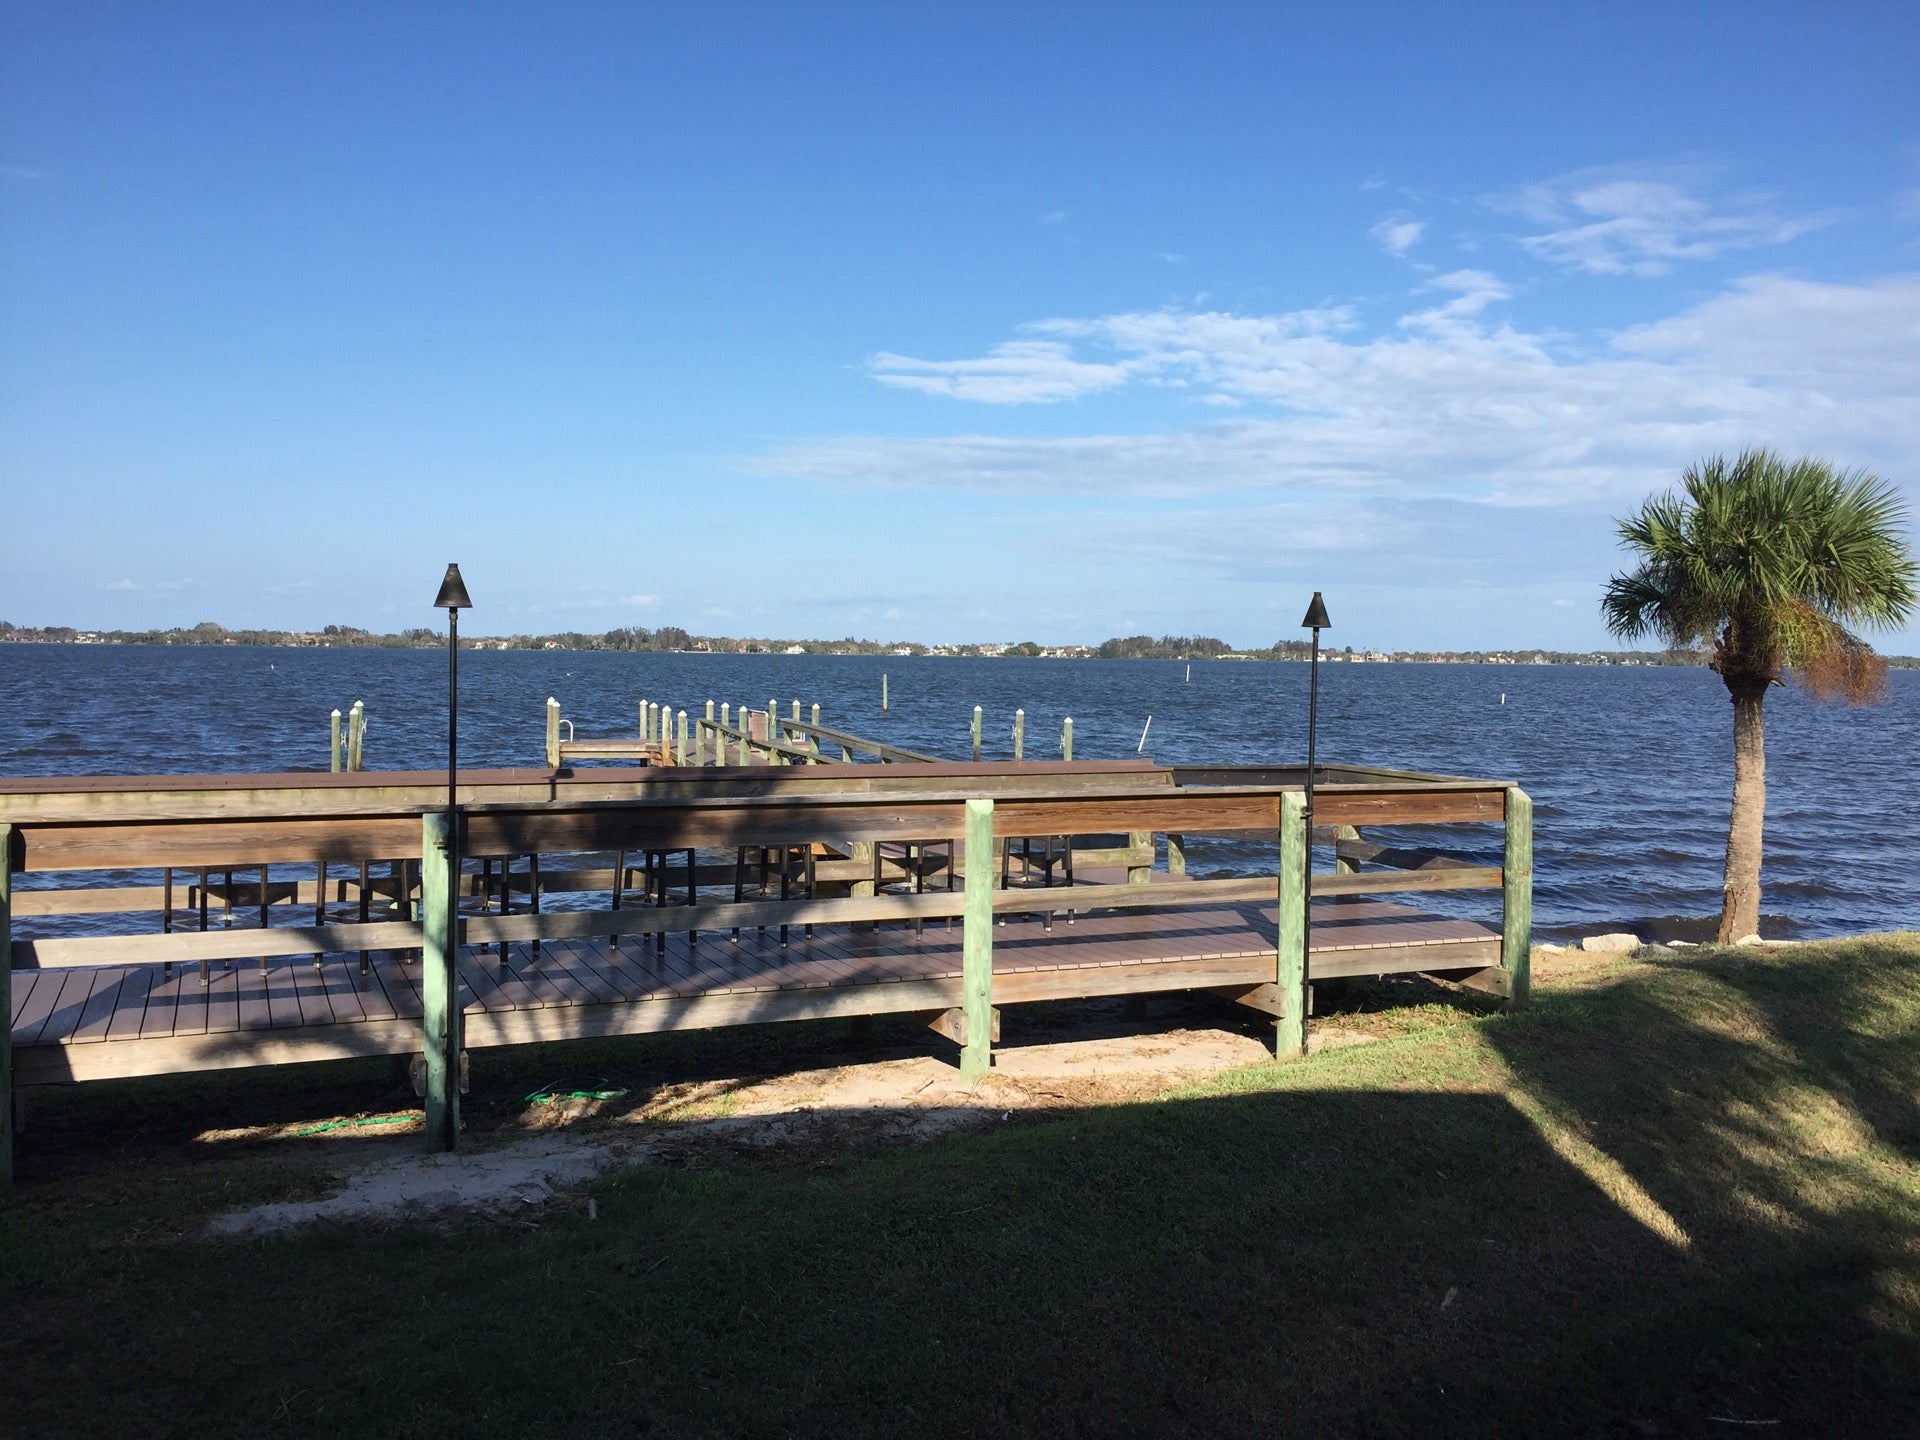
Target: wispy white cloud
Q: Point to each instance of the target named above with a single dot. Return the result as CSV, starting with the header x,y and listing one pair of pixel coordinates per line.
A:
x,y
640,602
123,585
21,172
1018,372
1397,235
1642,220
1054,217
1450,402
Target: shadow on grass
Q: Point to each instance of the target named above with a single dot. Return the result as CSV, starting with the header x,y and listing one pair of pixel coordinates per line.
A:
x,y
1653,1207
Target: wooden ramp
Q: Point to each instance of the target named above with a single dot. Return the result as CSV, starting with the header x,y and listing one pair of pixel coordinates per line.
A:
x,y
105,1021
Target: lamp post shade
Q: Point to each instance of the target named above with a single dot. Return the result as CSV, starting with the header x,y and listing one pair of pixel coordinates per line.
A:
x,y
1316,612
453,592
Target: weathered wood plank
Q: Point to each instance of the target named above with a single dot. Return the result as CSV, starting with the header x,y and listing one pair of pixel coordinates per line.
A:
x,y
1516,921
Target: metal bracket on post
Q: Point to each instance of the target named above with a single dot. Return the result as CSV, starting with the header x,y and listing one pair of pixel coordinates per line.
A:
x,y
976,972
440,1016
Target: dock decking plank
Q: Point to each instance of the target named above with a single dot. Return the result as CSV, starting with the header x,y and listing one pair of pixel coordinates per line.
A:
x,y
318,1009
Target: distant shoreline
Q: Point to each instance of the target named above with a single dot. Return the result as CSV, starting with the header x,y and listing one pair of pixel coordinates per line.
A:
x,y
1177,648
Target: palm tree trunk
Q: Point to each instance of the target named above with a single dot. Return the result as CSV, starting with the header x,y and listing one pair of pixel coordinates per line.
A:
x,y
1740,905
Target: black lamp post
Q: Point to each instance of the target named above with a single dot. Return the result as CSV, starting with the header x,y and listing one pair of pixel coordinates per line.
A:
x,y
453,599
1316,620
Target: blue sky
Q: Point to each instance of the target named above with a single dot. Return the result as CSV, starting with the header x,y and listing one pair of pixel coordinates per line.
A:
x,y
938,323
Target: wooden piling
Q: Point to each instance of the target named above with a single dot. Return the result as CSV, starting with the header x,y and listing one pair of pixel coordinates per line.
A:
x,y
816,712
883,692
6,1006
1066,739
680,757
357,735
1019,735
1343,865
976,945
334,736
976,734
553,733
1516,900
1290,967
440,1017
1176,854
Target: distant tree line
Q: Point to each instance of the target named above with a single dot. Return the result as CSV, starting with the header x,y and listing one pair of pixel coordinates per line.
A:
x,y
673,638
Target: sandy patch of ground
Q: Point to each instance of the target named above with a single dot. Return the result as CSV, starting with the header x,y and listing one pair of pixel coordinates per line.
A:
x,y
795,1117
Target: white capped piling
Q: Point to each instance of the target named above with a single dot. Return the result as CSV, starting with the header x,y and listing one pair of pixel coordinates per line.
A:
x,y
883,692
816,712
334,736
1066,739
357,735
681,757
553,733
976,734
1020,734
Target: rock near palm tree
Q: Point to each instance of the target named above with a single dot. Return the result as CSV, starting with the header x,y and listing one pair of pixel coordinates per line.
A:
x,y
1769,566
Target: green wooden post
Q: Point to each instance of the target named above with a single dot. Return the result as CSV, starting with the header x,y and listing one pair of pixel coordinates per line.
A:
x,y
1516,900
440,1018
1066,739
1138,840
976,734
1176,854
6,1006
1019,734
1290,973
357,735
335,741
553,733
976,945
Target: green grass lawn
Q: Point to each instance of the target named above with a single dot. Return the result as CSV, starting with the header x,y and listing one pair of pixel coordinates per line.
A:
x,y
1679,1193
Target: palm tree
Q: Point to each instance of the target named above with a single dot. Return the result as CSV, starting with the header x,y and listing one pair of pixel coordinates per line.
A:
x,y
1764,564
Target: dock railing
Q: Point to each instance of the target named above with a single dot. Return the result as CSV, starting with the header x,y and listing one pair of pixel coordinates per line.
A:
x,y
852,862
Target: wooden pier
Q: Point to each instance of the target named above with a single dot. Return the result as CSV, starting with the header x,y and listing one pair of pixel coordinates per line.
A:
x,y
277,919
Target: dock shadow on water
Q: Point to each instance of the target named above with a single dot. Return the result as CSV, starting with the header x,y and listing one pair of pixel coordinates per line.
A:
x,y
1675,1197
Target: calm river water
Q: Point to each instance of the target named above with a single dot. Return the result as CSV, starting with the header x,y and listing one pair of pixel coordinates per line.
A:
x,y
1629,768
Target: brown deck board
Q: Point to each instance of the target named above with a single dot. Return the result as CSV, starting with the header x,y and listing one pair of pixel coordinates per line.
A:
x,y
136,997
97,1006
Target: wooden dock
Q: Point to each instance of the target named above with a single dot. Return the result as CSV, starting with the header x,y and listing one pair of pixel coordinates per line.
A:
x,y
99,1022
275,919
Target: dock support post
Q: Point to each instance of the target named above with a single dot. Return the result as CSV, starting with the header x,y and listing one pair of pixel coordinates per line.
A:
x,y
883,692
1066,739
816,714
1176,854
6,1006
440,1018
1341,864
553,733
976,943
1516,900
681,758
335,738
1290,975
1019,735
976,734
357,736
